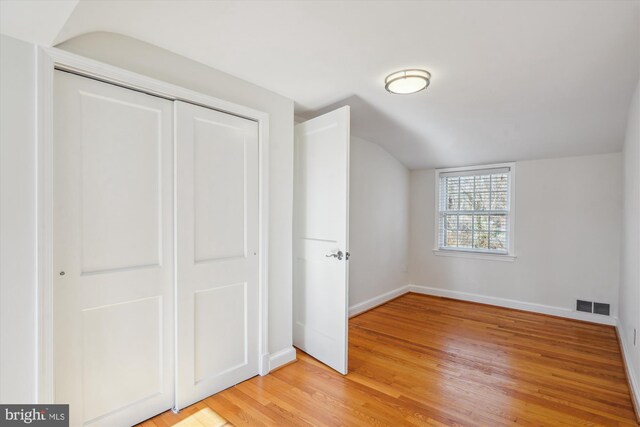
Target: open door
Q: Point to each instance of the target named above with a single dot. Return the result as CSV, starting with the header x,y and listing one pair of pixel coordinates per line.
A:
x,y
321,238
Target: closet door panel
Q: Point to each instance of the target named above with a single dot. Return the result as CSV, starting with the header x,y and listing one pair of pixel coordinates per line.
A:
x,y
219,179
113,252
217,262
121,159
220,317
110,334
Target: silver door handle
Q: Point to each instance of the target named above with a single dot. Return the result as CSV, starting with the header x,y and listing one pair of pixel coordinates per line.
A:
x,y
336,255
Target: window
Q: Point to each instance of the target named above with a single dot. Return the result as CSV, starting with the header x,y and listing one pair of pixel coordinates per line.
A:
x,y
474,209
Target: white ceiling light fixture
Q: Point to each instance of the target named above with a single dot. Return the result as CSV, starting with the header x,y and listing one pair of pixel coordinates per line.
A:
x,y
408,81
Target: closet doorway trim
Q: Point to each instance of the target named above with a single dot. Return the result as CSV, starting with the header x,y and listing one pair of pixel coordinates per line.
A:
x,y
50,59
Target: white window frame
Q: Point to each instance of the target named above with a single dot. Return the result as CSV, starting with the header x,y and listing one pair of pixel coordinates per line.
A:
x,y
475,253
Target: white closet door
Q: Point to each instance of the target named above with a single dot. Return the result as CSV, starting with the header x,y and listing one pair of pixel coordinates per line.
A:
x,y
113,252
217,251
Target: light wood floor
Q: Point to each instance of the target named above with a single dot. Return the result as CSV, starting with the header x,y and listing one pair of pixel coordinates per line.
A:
x,y
421,360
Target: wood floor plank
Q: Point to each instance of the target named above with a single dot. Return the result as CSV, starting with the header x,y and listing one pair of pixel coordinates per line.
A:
x,y
428,361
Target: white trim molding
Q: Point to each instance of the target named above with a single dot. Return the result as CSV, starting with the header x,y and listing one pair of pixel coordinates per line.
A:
x,y
474,255
44,135
514,304
50,59
282,357
359,308
367,305
632,376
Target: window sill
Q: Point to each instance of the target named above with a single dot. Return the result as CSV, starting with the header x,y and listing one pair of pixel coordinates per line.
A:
x,y
474,255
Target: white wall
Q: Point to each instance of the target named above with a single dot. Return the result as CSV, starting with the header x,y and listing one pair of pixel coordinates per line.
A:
x,y
378,222
629,312
17,222
567,236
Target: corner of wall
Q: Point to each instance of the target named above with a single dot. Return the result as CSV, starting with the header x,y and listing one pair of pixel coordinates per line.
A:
x,y
632,374
629,283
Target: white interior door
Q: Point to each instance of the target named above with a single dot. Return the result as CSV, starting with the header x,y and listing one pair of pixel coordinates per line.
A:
x,y
321,240
217,251
113,252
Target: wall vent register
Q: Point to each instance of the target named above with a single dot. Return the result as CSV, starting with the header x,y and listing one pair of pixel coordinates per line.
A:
x,y
586,306
601,308
593,307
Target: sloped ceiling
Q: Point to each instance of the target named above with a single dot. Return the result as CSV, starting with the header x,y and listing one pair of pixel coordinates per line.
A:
x,y
511,80
35,21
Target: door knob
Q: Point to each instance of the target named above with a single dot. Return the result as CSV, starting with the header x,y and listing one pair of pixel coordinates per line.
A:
x,y
336,255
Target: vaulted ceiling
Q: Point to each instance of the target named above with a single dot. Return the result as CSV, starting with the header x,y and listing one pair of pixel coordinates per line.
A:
x,y
511,80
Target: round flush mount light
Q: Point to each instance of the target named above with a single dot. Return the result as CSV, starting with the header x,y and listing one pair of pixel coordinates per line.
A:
x,y
407,81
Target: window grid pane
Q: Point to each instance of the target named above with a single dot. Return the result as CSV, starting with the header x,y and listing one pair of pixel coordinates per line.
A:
x,y
474,212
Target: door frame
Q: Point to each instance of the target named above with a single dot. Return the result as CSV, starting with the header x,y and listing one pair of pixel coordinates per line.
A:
x,y
47,61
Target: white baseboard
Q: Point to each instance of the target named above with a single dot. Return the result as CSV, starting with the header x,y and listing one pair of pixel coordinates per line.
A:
x,y
356,309
465,296
264,365
632,375
515,304
282,357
